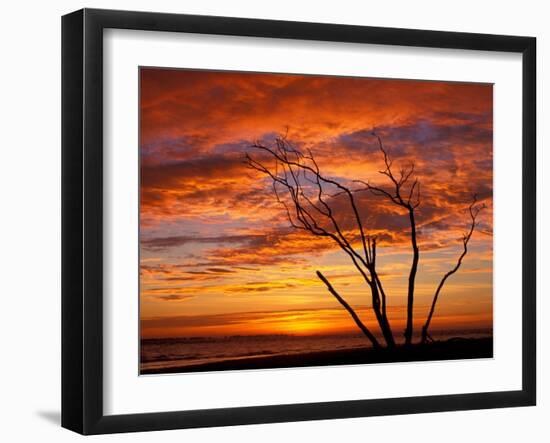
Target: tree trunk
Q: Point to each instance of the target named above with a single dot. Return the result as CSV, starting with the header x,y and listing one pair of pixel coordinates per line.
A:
x,y
412,276
380,316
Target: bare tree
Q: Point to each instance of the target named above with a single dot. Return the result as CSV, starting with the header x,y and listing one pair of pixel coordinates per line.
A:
x,y
409,200
474,210
309,199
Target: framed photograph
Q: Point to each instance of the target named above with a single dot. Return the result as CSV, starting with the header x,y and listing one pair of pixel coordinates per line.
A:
x,y
269,221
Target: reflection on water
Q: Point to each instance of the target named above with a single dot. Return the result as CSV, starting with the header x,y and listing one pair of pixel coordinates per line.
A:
x,y
179,352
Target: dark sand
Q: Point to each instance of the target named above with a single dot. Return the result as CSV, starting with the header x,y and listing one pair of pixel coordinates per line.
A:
x,y
453,349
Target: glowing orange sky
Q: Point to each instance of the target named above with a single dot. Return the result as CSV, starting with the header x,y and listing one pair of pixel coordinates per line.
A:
x,y
217,253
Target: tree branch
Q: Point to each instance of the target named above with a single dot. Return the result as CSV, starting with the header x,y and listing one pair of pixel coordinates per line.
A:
x,y
350,310
474,212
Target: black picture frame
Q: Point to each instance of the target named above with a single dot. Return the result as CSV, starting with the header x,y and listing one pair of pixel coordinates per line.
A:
x,y
82,218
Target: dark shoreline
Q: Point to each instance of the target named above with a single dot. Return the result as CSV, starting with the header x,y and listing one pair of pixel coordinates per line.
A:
x,y
453,349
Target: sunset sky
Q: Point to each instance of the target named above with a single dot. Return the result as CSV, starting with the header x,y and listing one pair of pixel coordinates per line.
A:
x,y
218,255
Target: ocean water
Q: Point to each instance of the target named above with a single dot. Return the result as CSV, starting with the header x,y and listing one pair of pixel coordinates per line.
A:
x,y
165,353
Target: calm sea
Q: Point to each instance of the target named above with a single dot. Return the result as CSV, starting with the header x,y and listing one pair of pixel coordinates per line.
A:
x,y
180,352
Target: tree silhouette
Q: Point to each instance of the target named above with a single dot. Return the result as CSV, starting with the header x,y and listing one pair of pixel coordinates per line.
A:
x,y
310,200
474,211
410,202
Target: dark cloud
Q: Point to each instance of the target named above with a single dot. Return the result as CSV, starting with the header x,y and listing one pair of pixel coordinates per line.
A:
x,y
181,240
175,297
176,173
260,287
221,270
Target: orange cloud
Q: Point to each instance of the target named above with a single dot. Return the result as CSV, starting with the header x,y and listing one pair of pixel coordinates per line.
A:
x,y
212,229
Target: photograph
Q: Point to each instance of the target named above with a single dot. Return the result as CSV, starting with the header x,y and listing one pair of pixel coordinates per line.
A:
x,y
296,220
